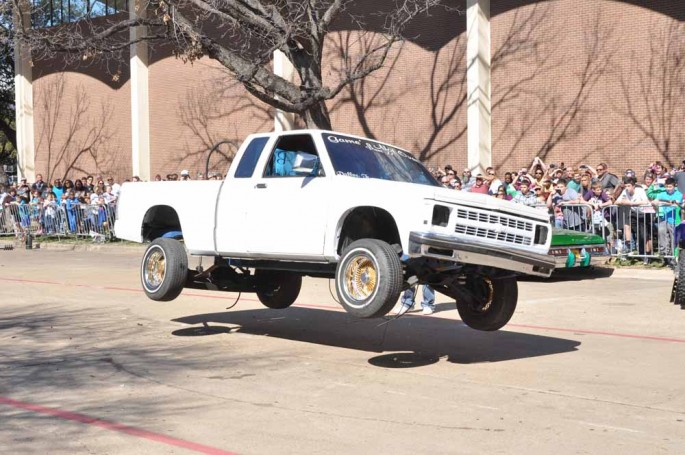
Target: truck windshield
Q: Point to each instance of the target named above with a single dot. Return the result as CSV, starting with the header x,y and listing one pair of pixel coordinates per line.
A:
x,y
363,158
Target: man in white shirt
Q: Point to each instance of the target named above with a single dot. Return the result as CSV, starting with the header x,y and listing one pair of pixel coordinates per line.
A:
x,y
636,215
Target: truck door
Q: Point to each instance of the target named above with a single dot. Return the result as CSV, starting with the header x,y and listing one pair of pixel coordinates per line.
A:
x,y
230,232
289,202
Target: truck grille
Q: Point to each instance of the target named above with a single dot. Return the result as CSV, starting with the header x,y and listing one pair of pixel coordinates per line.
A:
x,y
498,227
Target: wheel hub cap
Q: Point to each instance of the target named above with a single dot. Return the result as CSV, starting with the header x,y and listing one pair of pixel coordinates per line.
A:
x,y
155,267
361,278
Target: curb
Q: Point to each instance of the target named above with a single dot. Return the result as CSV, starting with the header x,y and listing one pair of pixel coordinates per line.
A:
x,y
643,274
84,247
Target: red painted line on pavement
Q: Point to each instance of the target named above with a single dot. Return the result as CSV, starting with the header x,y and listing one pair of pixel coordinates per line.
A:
x,y
113,426
305,305
598,332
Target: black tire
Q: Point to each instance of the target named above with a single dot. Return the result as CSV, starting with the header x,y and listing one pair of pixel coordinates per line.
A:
x,y
368,278
680,279
164,269
278,289
497,306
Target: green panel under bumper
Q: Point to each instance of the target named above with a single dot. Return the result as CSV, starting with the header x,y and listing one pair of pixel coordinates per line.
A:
x,y
565,237
580,255
471,251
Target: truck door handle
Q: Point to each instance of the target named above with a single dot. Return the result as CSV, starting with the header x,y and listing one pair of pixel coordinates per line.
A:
x,y
260,185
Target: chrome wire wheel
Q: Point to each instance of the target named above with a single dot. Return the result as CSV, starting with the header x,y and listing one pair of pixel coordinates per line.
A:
x,y
361,277
368,278
485,293
154,269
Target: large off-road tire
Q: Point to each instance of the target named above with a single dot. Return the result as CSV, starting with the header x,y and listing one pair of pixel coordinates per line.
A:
x,y
368,278
164,269
278,289
679,297
496,303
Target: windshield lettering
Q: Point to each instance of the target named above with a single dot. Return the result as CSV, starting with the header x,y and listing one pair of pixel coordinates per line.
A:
x,y
360,158
337,140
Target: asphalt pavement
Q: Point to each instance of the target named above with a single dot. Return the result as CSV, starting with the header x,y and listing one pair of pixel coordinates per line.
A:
x,y
590,363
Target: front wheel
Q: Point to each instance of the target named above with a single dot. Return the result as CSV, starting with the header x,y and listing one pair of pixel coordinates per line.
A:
x,y
164,269
278,289
368,278
493,304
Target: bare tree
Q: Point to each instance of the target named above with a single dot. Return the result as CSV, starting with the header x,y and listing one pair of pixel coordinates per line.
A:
x,y
74,133
653,95
555,117
8,134
242,36
211,113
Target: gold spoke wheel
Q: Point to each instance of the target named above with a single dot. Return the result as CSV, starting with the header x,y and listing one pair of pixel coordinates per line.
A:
x,y
155,267
361,277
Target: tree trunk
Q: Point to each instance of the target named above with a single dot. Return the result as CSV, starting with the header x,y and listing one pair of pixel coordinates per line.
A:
x,y
316,117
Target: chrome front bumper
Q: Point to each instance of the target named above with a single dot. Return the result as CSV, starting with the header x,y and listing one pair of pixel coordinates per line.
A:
x,y
468,251
568,257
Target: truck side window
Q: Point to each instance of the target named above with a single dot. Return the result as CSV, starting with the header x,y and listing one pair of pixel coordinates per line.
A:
x,y
250,157
294,156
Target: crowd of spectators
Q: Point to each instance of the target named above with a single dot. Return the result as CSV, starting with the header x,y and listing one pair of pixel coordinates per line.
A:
x,y
79,206
636,213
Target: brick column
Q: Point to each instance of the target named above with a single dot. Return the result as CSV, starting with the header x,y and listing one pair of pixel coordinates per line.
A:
x,y
23,98
478,85
140,103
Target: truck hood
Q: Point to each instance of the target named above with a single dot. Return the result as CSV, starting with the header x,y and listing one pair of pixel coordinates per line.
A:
x,y
482,201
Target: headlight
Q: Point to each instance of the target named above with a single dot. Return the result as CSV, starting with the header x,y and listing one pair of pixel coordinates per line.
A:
x,y
541,233
441,215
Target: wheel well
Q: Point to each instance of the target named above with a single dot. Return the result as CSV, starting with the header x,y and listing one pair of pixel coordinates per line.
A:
x,y
158,221
368,223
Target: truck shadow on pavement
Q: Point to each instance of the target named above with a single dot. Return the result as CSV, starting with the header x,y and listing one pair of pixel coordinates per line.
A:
x,y
408,341
573,274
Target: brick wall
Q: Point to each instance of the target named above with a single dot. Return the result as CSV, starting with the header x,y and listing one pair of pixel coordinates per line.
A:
x,y
569,83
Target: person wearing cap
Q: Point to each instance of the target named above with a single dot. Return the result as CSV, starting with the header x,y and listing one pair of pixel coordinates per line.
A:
x,y
480,186
185,175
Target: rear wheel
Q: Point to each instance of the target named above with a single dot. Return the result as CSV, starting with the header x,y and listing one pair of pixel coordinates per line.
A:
x,y
493,304
368,278
164,269
278,289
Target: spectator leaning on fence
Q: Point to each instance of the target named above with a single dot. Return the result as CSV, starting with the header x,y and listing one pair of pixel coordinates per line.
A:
x,y
634,215
669,203
561,200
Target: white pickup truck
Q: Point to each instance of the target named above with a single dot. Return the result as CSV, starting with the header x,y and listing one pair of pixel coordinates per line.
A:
x,y
331,205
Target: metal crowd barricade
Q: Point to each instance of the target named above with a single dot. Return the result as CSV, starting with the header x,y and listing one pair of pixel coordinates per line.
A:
x,y
637,232
576,217
52,220
629,231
